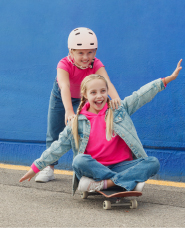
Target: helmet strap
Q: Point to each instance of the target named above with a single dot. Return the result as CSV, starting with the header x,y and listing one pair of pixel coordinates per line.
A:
x,y
74,64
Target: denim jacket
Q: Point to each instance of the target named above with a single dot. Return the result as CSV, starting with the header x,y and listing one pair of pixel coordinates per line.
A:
x,y
122,125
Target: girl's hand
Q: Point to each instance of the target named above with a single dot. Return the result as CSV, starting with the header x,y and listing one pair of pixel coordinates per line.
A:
x,y
174,75
177,70
28,175
69,115
115,103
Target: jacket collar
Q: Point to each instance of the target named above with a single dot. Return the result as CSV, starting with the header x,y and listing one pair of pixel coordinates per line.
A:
x,y
82,117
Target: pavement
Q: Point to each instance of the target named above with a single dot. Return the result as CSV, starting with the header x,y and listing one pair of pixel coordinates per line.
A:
x,y
31,204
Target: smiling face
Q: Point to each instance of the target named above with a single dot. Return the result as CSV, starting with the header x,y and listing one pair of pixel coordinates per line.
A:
x,y
83,57
96,94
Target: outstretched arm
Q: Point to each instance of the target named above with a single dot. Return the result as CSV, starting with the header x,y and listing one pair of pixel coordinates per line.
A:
x,y
53,153
172,77
147,92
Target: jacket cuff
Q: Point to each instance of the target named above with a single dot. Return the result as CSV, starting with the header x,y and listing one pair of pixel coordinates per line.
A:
x,y
34,168
164,83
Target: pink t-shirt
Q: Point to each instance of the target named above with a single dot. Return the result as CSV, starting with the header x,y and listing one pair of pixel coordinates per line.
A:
x,y
105,152
76,75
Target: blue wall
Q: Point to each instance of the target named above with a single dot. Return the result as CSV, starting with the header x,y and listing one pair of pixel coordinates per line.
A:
x,y
139,41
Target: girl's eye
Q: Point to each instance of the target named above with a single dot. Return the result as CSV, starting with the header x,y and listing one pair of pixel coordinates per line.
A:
x,y
103,91
93,92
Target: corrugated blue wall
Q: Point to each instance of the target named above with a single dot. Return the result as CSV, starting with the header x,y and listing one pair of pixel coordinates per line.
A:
x,y
139,41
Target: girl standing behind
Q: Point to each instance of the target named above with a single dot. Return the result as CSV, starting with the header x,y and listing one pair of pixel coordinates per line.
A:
x,y
107,150
65,95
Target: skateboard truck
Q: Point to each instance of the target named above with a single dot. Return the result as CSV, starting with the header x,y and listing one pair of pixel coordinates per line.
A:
x,y
107,205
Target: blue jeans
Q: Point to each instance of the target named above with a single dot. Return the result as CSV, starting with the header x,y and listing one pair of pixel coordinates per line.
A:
x,y
125,174
56,115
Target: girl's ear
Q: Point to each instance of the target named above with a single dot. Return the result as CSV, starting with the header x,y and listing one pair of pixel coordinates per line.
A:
x,y
71,53
95,52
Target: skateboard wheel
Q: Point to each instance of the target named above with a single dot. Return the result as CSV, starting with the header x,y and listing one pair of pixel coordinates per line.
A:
x,y
84,195
107,205
134,204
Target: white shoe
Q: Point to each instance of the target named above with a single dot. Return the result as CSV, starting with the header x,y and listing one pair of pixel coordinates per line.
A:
x,y
139,187
90,185
47,174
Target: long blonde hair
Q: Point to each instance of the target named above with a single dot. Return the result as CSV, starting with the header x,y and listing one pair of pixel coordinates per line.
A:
x,y
108,118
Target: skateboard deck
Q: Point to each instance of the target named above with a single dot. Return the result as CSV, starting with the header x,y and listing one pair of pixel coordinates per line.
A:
x,y
119,194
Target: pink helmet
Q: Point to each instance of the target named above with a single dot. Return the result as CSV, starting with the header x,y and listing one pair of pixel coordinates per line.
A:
x,y
82,38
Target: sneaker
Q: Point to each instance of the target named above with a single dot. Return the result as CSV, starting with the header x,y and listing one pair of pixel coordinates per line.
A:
x,y
139,187
90,185
47,174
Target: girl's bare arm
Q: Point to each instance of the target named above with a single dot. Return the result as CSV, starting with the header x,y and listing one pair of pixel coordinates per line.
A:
x,y
64,85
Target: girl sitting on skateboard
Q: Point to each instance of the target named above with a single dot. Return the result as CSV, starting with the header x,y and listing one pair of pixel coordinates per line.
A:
x,y
107,150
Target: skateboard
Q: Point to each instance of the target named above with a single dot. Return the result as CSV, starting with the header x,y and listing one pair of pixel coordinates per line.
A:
x,y
117,195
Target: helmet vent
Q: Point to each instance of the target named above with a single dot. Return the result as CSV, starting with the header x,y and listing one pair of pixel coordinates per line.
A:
x,y
79,44
75,29
77,33
91,43
91,33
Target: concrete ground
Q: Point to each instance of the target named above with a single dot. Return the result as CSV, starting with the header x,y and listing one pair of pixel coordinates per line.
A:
x,y
31,204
